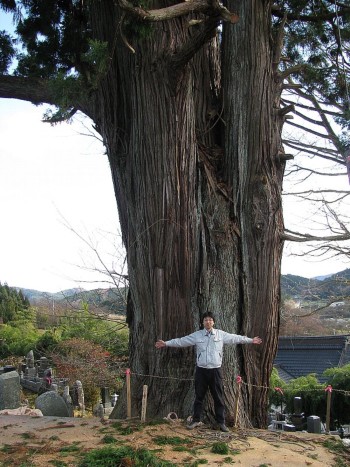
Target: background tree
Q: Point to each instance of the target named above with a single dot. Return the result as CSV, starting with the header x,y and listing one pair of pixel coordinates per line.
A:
x,y
191,116
12,303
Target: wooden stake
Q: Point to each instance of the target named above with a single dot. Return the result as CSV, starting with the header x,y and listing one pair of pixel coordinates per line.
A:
x,y
328,410
128,394
239,380
144,403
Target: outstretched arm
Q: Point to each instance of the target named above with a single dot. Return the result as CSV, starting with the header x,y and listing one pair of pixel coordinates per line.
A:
x,y
160,344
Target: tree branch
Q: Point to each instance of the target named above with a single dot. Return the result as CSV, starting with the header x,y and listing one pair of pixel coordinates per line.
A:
x,y
35,90
303,237
188,50
209,7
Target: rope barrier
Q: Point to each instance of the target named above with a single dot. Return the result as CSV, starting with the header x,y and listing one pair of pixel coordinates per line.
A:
x,y
239,380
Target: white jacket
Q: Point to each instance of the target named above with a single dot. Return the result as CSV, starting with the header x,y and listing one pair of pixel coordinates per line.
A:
x,y
209,348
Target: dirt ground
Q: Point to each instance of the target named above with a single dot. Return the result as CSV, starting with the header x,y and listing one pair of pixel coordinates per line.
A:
x,y
44,441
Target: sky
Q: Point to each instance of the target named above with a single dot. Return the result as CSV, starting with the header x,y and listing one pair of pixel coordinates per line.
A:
x,y
57,198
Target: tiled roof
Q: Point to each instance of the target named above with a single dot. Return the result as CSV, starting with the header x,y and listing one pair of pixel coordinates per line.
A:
x,y
301,355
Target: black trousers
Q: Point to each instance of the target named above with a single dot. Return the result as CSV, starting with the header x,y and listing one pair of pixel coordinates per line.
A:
x,y
209,378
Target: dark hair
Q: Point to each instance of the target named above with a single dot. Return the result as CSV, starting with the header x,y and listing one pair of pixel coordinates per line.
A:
x,y
208,314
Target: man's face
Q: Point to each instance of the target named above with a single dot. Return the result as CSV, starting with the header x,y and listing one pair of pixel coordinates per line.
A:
x,y
208,323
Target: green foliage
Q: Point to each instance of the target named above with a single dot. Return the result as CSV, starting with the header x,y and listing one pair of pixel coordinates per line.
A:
x,y
12,303
138,30
311,392
275,397
341,452
124,455
83,324
7,51
339,379
171,440
124,430
109,439
71,448
47,341
320,46
17,340
54,37
97,59
220,448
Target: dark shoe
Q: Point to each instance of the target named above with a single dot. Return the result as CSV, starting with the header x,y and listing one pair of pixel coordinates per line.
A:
x,y
224,428
193,425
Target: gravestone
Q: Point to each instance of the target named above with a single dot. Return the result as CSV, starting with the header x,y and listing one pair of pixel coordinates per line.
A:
x,y
68,400
31,371
52,404
313,424
10,390
106,398
78,396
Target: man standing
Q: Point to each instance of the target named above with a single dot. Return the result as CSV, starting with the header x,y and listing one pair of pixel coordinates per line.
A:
x,y
209,344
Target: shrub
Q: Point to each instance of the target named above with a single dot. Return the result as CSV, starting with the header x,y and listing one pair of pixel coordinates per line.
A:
x,y
80,359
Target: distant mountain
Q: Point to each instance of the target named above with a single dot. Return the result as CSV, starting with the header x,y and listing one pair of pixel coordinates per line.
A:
x,y
327,288
322,278
36,295
113,300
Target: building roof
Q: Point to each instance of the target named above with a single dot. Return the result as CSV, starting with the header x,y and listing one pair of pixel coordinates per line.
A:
x,y
302,355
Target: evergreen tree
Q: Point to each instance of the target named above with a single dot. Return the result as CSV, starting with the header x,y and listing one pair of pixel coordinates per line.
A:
x,y
188,99
12,302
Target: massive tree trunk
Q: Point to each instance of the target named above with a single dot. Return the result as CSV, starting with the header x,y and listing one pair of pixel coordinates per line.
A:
x,y
192,131
251,92
198,190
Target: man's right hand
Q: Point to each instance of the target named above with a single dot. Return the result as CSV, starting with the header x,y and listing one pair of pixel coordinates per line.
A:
x,y
160,344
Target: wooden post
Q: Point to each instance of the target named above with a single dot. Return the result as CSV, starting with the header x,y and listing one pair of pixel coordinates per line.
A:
x,y
128,393
328,410
239,380
144,403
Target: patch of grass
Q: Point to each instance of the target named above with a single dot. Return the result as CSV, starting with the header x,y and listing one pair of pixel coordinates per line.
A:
x,y
171,440
54,438
124,430
58,463
28,435
157,422
185,449
7,448
228,460
198,462
220,448
180,449
71,448
124,455
109,439
337,447
334,445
